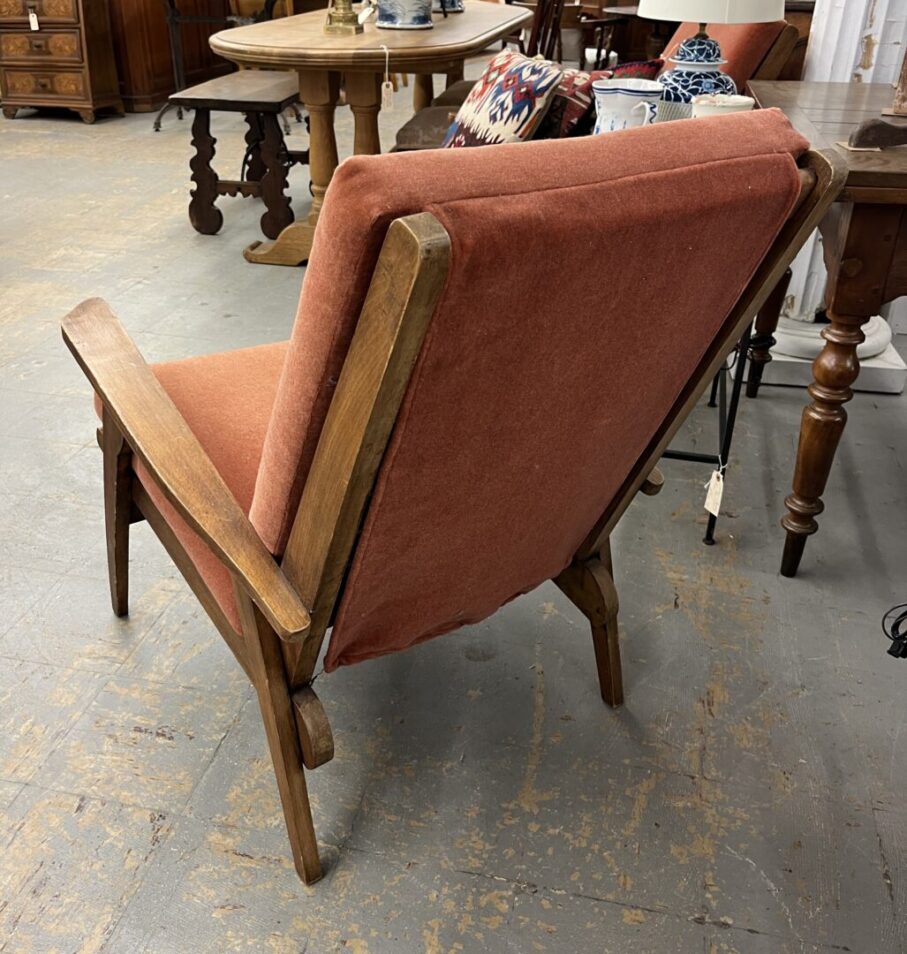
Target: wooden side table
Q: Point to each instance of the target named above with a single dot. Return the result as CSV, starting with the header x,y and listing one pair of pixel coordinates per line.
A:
x,y
865,247
299,43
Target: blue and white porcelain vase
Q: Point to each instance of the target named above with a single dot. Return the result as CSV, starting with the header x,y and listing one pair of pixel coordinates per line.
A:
x,y
696,71
451,6
404,15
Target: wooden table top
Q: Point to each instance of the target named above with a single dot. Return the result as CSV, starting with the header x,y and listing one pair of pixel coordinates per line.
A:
x,y
827,113
300,42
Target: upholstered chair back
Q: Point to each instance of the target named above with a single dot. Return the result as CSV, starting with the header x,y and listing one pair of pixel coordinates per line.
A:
x,y
570,322
743,45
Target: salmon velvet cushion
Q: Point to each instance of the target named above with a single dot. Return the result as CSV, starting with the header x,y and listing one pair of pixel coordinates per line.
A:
x,y
743,45
525,411
544,378
368,192
226,400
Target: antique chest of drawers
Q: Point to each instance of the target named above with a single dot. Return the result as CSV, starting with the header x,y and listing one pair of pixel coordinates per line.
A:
x,y
57,53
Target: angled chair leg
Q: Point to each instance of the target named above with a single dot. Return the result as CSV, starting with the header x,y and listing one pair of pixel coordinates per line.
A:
x,y
266,665
117,511
590,587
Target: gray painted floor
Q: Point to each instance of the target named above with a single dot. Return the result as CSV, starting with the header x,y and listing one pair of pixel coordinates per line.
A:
x,y
750,797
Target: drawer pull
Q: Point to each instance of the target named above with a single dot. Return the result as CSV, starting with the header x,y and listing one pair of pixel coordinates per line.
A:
x,y
39,46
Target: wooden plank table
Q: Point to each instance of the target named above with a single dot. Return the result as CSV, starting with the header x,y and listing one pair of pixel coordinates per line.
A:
x,y
299,43
865,249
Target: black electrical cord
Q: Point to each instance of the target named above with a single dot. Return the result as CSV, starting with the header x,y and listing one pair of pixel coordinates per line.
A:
x,y
894,625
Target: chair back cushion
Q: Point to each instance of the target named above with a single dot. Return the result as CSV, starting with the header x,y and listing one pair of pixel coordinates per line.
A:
x,y
570,322
743,45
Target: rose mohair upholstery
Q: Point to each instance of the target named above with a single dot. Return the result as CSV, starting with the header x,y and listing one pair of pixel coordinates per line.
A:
x,y
623,181
491,348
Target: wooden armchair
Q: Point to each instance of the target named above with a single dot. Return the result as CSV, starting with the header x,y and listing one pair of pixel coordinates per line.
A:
x,y
457,416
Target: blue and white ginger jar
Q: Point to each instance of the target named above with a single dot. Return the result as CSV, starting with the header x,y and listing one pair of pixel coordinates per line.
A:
x,y
697,70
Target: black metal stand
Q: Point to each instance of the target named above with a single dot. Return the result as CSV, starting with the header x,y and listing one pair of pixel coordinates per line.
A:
x,y
727,418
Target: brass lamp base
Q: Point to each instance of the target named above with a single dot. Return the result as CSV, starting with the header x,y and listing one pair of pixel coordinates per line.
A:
x,y
342,20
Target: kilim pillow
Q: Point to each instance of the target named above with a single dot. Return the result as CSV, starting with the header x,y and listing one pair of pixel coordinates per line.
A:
x,y
641,69
572,100
506,104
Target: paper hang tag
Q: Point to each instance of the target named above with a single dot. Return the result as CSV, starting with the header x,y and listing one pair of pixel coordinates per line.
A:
x,y
713,493
366,11
387,95
33,20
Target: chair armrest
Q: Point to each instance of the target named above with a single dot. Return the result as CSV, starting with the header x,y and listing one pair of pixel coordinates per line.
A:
x,y
160,437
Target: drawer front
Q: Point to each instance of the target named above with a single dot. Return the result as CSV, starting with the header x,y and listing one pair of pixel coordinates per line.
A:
x,y
52,11
63,46
23,85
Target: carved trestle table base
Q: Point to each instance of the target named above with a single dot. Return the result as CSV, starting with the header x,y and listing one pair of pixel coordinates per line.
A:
x,y
321,61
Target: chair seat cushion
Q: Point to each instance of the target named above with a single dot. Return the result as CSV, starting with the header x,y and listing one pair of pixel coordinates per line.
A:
x,y
226,400
426,130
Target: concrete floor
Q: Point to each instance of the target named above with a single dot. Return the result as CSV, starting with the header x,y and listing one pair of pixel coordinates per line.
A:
x,y
749,798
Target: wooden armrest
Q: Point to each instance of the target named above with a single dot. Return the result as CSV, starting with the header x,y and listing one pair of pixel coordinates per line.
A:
x,y
160,437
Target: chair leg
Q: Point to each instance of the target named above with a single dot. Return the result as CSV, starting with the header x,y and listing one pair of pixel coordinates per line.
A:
x,y
590,587
266,665
117,508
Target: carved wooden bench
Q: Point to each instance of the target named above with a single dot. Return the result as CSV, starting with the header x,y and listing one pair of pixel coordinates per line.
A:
x,y
261,95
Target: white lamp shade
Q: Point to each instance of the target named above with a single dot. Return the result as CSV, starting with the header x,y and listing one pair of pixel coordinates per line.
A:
x,y
713,11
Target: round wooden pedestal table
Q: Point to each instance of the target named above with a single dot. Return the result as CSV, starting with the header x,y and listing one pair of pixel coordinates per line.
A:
x,y
299,43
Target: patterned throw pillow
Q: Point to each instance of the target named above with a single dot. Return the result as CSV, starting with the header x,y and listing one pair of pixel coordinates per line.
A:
x,y
506,104
641,69
572,100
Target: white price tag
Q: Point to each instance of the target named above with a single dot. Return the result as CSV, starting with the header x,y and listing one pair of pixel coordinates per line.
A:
x,y
715,488
387,95
33,20
366,11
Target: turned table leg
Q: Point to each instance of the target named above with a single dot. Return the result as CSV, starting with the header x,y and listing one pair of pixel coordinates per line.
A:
x,y
454,75
864,244
423,91
278,214
318,90
363,93
834,371
764,334
203,214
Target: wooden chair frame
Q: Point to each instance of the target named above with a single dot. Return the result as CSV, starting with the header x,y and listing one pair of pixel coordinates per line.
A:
x,y
286,608
778,55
